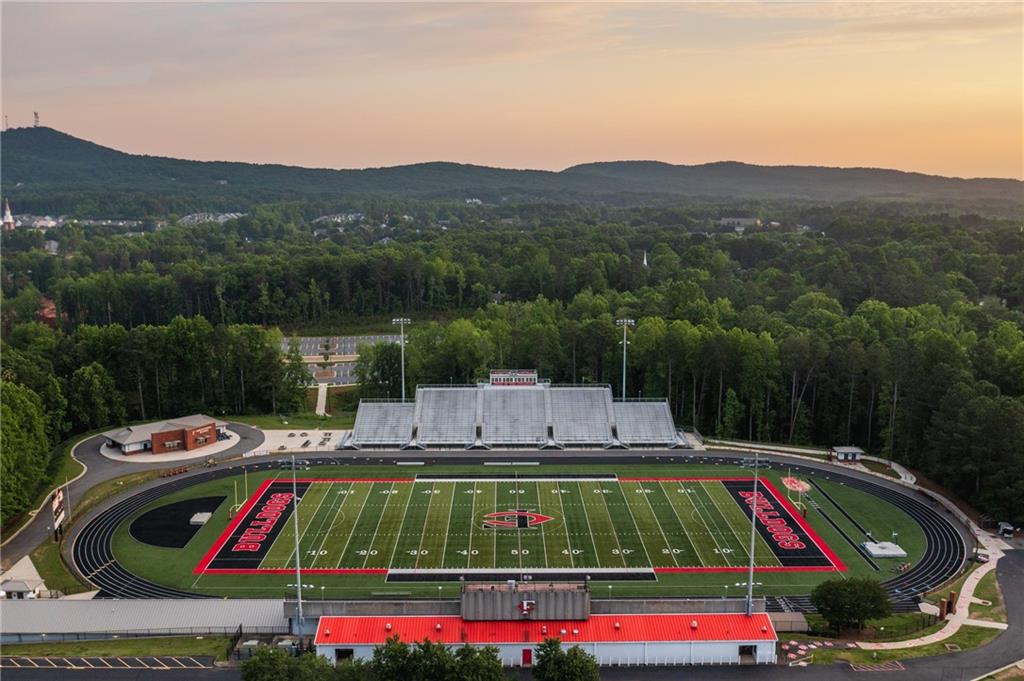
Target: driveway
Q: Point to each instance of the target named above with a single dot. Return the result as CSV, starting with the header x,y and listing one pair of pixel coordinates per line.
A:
x,y
101,468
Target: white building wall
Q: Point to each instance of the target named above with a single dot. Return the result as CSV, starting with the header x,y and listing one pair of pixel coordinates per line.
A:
x,y
614,654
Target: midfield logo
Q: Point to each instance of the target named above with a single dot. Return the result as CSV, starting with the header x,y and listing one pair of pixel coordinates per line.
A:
x,y
515,520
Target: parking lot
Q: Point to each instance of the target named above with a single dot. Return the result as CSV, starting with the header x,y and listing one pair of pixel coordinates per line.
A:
x,y
142,662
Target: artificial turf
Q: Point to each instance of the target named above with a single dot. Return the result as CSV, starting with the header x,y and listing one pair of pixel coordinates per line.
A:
x,y
436,525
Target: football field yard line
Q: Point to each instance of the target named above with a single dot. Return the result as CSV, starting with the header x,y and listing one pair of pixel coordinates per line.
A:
x,y
728,541
740,523
605,530
401,526
451,509
644,492
565,524
286,539
689,516
577,525
678,530
423,529
407,548
376,528
316,525
310,536
531,539
543,538
633,537
460,529
356,522
483,539
472,522
323,540
388,530
557,550
343,524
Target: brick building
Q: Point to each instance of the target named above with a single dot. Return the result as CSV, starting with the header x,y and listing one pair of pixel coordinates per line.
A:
x,y
183,434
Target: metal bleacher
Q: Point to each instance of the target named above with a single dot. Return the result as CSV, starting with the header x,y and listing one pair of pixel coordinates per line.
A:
x,y
514,416
447,415
540,415
383,423
645,423
580,415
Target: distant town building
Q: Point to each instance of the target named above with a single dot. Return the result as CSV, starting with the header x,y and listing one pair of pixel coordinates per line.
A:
x,y
9,224
340,217
739,224
474,202
219,218
52,247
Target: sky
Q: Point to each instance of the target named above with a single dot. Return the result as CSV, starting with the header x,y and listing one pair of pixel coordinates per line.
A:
x,y
934,87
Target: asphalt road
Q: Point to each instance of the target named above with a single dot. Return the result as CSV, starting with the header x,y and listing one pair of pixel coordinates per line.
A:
x,y
101,468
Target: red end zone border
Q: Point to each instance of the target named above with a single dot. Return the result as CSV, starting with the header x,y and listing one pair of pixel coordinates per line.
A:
x,y
202,567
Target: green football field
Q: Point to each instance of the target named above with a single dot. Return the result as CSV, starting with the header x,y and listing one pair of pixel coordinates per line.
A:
x,y
481,525
705,537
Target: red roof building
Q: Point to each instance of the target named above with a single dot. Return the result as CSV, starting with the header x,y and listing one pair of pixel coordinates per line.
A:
x,y
614,639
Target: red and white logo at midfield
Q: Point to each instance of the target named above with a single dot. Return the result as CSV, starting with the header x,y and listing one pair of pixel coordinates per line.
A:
x,y
515,520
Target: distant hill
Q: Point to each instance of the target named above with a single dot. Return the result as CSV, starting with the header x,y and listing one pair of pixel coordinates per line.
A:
x,y
40,160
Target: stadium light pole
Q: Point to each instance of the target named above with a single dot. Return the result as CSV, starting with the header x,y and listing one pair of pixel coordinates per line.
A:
x,y
401,322
753,525
624,323
298,570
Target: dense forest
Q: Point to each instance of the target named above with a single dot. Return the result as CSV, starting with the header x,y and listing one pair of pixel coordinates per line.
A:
x,y
894,328
55,384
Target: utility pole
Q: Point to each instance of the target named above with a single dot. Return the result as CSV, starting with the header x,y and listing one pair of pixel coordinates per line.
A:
x,y
298,570
753,525
624,323
401,322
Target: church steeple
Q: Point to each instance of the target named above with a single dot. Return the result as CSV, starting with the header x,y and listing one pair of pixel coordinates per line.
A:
x,y
8,218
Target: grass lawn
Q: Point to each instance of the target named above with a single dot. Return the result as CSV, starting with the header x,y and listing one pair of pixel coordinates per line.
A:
x,y
215,646
897,627
47,559
988,590
879,467
968,637
174,567
344,420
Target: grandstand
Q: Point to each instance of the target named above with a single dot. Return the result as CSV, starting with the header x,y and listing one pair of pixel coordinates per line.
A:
x,y
514,412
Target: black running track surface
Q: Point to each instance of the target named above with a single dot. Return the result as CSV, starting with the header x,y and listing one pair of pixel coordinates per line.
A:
x,y
169,526
944,554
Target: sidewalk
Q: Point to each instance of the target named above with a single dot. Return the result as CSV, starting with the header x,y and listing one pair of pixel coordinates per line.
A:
x,y
994,546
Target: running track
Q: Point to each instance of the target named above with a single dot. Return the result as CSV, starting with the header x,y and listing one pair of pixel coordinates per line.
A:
x,y
944,556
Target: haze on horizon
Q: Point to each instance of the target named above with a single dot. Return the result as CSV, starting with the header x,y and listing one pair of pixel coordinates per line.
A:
x,y
929,87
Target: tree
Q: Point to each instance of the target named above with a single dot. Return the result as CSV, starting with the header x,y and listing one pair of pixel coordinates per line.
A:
x,y
23,447
846,603
93,398
393,661
478,664
269,663
554,663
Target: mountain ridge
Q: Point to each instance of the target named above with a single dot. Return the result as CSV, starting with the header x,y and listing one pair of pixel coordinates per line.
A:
x,y
45,158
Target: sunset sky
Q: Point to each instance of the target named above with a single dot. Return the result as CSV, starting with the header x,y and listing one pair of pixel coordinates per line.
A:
x,y
931,87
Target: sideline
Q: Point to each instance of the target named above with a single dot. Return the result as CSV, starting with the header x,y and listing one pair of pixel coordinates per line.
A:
x,y
46,499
